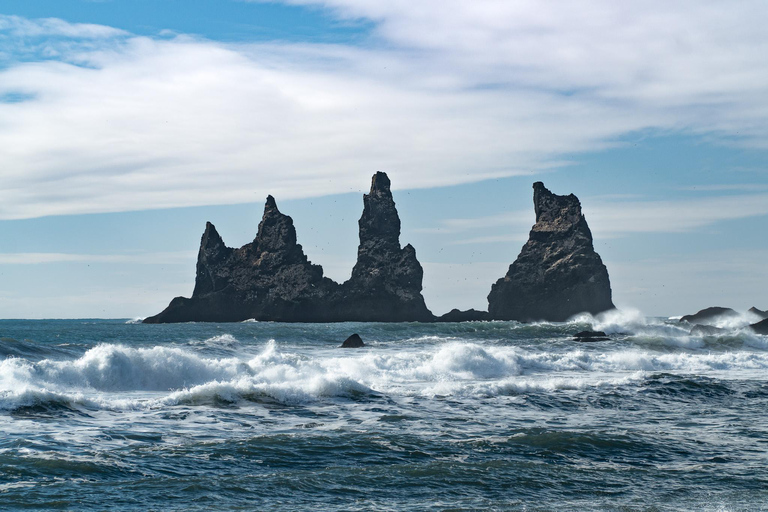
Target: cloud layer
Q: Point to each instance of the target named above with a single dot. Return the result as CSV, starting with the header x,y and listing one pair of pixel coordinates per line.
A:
x,y
96,120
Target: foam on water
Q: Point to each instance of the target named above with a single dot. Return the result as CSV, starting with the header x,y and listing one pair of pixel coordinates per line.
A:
x,y
166,375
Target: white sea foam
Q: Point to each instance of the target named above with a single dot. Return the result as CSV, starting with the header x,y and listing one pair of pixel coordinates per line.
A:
x,y
122,377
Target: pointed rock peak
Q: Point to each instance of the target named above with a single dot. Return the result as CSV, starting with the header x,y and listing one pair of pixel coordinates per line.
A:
x,y
270,205
380,185
211,237
551,207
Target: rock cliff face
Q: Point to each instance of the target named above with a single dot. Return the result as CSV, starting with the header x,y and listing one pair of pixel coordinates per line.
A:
x,y
558,273
386,281
272,279
268,279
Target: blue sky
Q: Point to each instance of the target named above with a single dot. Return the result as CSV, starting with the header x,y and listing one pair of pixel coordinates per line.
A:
x,y
125,125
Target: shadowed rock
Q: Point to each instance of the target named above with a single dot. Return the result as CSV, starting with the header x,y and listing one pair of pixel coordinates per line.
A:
x,y
272,279
707,315
586,336
760,327
759,312
354,341
470,315
558,273
267,279
386,281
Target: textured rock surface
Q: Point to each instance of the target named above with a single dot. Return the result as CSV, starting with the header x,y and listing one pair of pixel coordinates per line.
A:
x,y
271,278
386,281
558,273
268,279
709,315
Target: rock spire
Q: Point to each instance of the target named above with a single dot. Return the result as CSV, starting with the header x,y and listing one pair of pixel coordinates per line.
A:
x,y
558,273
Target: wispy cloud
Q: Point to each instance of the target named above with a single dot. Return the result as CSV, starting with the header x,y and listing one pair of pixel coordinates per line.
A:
x,y
490,89
38,258
612,218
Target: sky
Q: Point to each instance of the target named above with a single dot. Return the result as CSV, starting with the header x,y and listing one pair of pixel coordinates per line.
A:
x,y
125,125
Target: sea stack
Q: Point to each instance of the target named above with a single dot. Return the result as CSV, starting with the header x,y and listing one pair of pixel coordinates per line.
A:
x,y
271,278
386,281
558,273
267,279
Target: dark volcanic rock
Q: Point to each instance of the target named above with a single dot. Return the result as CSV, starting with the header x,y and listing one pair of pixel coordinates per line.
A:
x,y
354,341
386,281
558,273
759,312
760,327
470,315
708,315
268,279
271,278
585,336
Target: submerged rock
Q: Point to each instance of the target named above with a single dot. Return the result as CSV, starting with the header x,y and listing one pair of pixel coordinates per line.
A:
x,y
271,278
354,341
386,281
707,315
558,273
470,315
759,312
585,336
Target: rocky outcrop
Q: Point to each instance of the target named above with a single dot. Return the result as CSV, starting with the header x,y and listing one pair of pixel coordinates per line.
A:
x,y
470,315
759,312
558,273
386,281
708,315
272,279
354,341
267,279
760,327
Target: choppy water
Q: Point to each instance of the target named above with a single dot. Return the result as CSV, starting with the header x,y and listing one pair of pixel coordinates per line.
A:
x,y
99,415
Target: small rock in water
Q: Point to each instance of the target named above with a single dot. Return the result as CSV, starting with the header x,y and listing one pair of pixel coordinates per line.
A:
x,y
354,341
591,336
708,315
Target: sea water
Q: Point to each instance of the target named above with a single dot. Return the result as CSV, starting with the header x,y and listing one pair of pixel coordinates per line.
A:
x,y
116,415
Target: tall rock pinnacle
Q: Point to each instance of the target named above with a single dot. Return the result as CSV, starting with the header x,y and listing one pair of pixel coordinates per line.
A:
x,y
558,273
386,280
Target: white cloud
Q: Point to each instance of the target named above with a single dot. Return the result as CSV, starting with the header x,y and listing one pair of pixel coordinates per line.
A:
x,y
459,92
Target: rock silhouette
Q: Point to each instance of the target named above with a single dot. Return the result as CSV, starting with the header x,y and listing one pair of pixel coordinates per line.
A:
x,y
272,279
708,315
558,273
386,281
759,312
354,341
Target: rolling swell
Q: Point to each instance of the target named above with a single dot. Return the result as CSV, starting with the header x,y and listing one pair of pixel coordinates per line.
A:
x,y
495,415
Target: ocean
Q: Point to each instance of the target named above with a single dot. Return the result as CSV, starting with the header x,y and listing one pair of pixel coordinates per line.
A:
x,y
117,415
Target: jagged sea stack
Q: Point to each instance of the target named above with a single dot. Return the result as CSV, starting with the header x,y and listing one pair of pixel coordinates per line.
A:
x,y
386,281
268,279
558,273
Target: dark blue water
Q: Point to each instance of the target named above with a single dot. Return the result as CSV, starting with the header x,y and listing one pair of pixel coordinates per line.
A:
x,y
109,415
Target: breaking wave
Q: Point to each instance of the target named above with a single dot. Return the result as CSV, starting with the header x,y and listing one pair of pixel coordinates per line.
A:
x,y
117,376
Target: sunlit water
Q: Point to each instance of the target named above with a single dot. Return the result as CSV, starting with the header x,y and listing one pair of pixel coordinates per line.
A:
x,y
99,415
